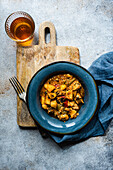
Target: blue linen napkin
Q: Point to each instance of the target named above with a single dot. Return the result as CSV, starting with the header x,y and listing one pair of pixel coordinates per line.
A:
x,y
102,71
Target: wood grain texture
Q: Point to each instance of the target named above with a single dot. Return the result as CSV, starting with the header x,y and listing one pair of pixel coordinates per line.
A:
x,y
31,59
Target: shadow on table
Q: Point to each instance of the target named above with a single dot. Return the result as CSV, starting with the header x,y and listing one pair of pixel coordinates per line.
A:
x,y
63,145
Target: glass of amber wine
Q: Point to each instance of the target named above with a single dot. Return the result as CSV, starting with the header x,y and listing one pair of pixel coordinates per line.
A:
x,y
20,27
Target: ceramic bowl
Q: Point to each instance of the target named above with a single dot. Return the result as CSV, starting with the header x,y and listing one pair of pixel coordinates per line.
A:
x,y
87,110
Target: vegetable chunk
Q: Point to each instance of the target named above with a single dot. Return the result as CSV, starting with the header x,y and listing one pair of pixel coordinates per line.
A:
x,y
75,85
69,94
49,87
47,100
63,117
62,87
52,95
73,114
54,103
44,106
42,100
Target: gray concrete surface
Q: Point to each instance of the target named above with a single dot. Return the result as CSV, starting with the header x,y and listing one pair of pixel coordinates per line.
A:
x,y
87,24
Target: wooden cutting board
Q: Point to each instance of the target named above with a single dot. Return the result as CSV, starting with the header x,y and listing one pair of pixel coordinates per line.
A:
x,y
31,59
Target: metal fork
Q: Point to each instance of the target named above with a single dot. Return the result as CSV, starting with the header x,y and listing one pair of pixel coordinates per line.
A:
x,y
18,88
22,95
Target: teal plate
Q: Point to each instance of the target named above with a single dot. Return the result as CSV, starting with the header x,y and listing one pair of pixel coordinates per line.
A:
x,y
87,110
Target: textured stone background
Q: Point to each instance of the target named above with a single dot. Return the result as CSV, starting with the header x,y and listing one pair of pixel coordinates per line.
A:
x,y
87,24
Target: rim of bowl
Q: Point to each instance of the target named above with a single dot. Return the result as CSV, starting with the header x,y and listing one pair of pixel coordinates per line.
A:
x,y
77,66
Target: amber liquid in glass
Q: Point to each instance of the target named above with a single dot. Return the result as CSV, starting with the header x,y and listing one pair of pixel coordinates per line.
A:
x,y
22,28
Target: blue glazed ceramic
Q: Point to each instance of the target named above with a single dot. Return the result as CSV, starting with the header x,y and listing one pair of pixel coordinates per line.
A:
x,y
85,113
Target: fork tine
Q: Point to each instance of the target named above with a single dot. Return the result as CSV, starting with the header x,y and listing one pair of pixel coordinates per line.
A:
x,y
18,88
11,81
20,85
17,85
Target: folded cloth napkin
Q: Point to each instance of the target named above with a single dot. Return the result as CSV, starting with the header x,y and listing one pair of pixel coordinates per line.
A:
x,y
102,71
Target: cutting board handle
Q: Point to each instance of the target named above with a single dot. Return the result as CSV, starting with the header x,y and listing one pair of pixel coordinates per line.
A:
x,y
42,28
